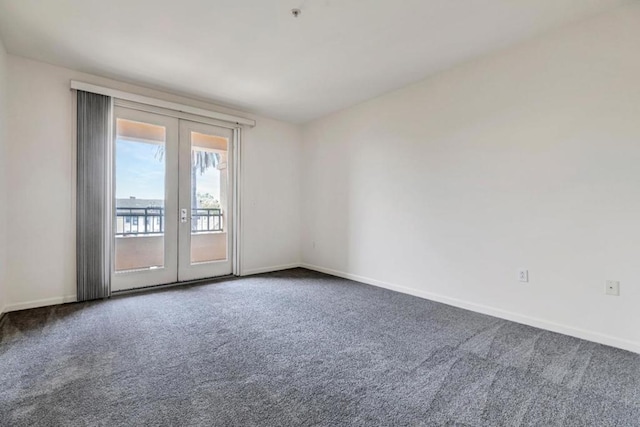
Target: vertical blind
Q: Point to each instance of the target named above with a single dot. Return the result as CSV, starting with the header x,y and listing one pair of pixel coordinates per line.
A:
x,y
93,207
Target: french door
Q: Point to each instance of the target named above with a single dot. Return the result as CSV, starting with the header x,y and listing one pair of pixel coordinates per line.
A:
x,y
173,194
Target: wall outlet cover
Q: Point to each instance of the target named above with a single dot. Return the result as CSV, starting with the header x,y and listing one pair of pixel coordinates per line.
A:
x,y
523,276
612,287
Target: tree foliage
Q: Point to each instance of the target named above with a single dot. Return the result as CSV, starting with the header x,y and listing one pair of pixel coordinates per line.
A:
x,y
200,160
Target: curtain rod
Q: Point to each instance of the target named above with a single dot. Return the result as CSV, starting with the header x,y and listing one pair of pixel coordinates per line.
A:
x,y
114,93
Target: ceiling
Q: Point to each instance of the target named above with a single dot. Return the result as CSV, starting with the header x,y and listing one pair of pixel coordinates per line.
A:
x,y
253,55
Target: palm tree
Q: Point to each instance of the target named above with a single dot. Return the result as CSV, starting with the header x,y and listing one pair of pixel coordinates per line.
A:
x,y
200,161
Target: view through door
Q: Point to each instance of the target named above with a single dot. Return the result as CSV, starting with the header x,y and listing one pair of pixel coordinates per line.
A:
x,y
173,199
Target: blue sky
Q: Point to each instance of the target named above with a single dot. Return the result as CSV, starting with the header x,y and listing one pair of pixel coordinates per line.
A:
x,y
140,173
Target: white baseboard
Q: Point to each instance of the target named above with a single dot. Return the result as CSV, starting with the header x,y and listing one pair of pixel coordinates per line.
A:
x,y
72,298
491,311
270,269
39,303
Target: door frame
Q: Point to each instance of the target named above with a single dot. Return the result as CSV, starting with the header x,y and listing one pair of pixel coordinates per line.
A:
x,y
188,271
236,188
146,277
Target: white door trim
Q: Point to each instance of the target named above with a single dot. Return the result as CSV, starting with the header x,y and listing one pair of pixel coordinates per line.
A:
x,y
237,198
136,280
173,113
187,270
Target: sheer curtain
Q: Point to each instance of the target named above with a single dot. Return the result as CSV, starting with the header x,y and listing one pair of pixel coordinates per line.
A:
x,y
93,204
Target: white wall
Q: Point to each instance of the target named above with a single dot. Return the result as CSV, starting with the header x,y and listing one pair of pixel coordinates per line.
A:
x,y
3,166
41,167
524,159
528,158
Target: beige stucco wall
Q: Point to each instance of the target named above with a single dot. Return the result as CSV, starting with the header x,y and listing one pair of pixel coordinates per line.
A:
x,y
144,251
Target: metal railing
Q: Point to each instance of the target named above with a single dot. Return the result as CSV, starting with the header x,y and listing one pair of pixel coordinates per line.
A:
x,y
206,220
132,221
150,221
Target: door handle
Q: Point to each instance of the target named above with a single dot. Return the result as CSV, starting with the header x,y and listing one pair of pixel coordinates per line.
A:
x,y
183,216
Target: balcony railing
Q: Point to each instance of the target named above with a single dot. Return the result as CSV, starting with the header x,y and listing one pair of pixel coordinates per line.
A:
x,y
150,221
206,220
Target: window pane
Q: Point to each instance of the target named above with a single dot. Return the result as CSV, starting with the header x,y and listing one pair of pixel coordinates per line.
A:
x,y
140,195
209,181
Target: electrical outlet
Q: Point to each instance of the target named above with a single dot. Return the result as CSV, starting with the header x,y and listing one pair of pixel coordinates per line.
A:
x,y
612,287
523,276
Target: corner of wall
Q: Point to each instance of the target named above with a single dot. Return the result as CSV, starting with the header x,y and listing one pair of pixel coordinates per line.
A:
x,y
445,188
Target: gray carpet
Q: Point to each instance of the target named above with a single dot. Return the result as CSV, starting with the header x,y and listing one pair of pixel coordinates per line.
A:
x,y
301,348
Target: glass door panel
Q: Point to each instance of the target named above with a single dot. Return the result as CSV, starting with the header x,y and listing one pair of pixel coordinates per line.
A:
x,y
140,195
204,195
145,229
208,197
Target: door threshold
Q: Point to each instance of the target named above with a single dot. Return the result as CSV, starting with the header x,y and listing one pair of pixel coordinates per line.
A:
x,y
173,285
